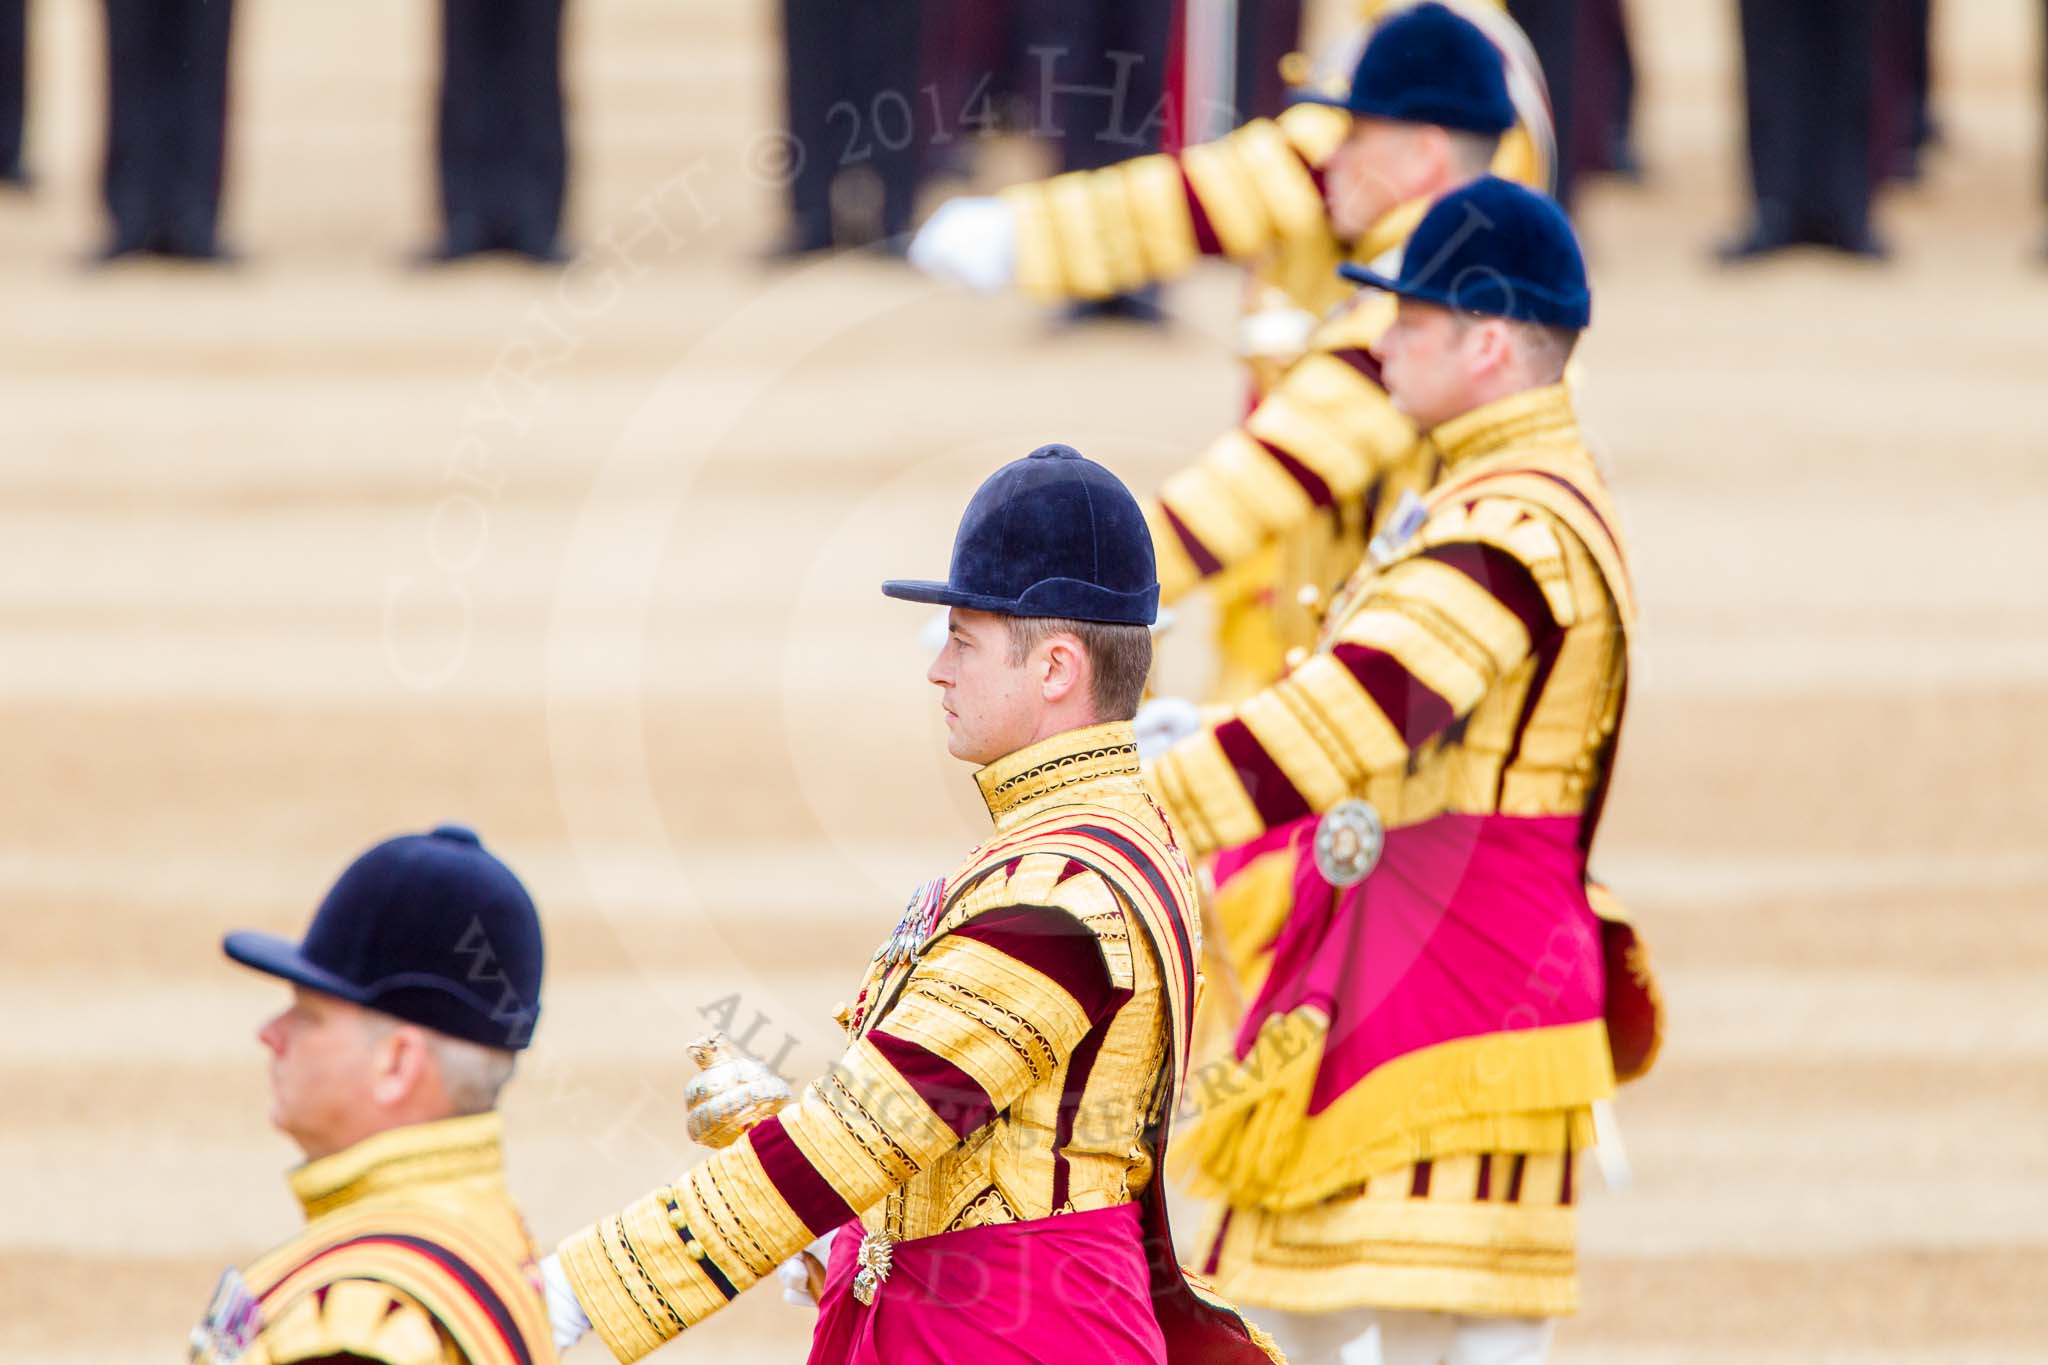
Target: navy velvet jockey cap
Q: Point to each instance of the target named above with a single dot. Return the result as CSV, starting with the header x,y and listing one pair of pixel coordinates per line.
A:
x,y
1052,534
1496,249
428,928
1428,65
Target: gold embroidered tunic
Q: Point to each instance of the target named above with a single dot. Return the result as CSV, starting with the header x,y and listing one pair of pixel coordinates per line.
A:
x,y
1009,1072
1287,500
1476,672
413,1254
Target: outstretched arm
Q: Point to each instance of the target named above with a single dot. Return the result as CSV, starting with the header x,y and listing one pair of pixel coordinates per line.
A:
x,y
993,1008
1091,234
1316,441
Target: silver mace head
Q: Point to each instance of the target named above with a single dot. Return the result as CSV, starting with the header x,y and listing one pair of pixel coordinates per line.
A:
x,y
732,1091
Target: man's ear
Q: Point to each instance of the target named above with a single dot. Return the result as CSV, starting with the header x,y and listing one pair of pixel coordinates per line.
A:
x,y
400,1065
1493,346
1066,667
1432,159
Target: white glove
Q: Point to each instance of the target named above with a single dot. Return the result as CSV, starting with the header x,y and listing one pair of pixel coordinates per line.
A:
x,y
971,242
1164,722
565,1314
1278,333
795,1273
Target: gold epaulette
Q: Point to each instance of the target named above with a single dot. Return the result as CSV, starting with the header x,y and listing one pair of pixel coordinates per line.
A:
x,y
365,1319
1035,877
479,1304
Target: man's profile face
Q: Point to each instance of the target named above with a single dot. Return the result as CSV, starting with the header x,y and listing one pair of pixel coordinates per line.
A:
x,y
1423,364
323,1055
992,705
1369,175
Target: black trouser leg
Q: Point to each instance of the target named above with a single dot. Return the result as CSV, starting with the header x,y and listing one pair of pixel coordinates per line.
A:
x,y
538,155
813,59
197,98
884,91
1920,70
1553,29
13,84
1625,86
136,125
1103,77
1835,96
1267,30
463,133
1770,77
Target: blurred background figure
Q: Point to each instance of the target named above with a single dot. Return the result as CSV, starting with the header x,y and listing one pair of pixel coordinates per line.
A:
x,y
1267,30
851,73
167,65
1605,101
13,89
1807,85
1589,66
1100,81
969,81
1902,116
503,146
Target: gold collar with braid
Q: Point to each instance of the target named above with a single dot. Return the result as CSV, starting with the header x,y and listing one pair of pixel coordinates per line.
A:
x,y
1070,767
1534,418
403,1158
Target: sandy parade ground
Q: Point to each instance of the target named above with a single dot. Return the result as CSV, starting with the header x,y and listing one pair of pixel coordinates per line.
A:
x,y
321,549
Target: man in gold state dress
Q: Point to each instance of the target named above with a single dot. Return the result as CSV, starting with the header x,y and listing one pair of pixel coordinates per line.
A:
x,y
1395,1147
1285,499
988,1146
415,986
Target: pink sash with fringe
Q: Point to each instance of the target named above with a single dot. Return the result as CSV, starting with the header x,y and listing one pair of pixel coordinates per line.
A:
x,y
1470,924
1053,1291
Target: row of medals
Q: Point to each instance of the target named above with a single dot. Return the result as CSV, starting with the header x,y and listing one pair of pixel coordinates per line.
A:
x,y
877,1250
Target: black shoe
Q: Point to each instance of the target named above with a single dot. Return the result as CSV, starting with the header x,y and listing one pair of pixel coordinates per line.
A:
x,y
115,249
1754,245
795,244
895,247
1140,306
200,252
445,252
1864,244
541,253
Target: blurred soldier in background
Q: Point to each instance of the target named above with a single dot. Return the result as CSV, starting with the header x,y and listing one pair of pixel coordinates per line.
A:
x,y
13,89
1101,98
417,984
1807,73
1268,31
1277,511
1609,143
1345,173
1589,66
1395,1141
1902,123
851,73
502,144
167,62
1554,28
